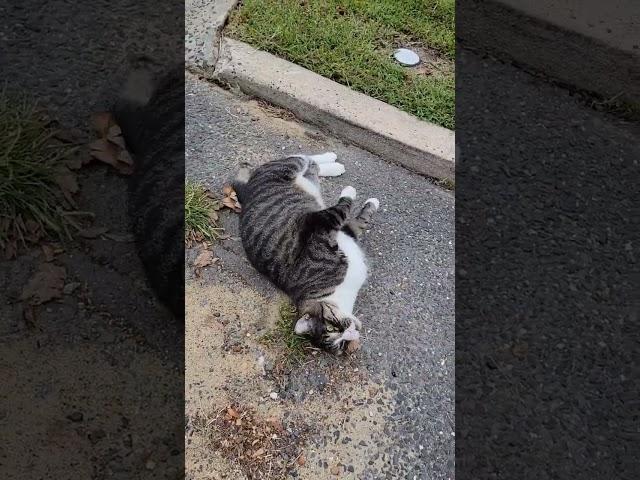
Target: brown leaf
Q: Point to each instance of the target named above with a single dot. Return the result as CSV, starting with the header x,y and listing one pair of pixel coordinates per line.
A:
x,y
227,190
100,122
111,154
120,237
68,183
302,460
353,346
114,131
93,232
276,423
74,161
32,226
520,350
69,136
29,315
118,140
45,285
258,453
105,151
233,413
231,204
204,259
124,157
48,253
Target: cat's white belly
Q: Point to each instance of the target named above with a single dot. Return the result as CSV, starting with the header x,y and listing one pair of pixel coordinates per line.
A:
x,y
344,296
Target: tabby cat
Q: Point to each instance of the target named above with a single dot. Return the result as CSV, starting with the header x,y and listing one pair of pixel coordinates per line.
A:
x,y
306,249
150,113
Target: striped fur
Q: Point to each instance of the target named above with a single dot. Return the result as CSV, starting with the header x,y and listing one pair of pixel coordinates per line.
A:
x,y
291,237
150,113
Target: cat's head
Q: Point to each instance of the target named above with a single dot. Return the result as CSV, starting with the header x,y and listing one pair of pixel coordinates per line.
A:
x,y
334,337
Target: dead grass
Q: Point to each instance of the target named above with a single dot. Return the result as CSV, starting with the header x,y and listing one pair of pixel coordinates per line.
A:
x,y
262,448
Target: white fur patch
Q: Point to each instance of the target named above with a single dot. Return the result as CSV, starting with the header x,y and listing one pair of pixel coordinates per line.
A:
x,y
374,201
348,192
309,187
334,169
303,326
327,157
344,296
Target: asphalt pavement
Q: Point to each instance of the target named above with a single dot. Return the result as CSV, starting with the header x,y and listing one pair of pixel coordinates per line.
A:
x,y
407,305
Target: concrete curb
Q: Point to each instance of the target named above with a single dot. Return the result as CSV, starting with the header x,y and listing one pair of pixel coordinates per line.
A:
x,y
369,123
562,40
204,21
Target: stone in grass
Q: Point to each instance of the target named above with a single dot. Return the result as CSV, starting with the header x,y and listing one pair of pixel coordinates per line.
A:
x,y
406,57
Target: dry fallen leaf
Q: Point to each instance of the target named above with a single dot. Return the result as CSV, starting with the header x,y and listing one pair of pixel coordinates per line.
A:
x,y
230,199
75,160
111,154
232,412
68,183
258,453
204,259
302,460
353,346
93,232
110,146
120,237
276,423
520,350
45,285
100,122
48,253
11,249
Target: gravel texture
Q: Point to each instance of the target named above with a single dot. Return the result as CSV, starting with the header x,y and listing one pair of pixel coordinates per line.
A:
x,y
546,293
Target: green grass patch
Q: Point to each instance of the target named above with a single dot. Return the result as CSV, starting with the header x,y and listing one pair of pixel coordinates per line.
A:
x,y
200,214
32,162
351,42
283,335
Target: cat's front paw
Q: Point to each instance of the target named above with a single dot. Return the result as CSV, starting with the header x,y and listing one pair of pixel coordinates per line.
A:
x,y
348,192
375,203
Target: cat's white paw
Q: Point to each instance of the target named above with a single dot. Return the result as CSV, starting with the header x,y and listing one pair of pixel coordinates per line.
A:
x,y
331,169
327,157
374,201
348,192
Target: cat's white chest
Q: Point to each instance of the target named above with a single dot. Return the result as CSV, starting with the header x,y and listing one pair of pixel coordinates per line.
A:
x,y
344,296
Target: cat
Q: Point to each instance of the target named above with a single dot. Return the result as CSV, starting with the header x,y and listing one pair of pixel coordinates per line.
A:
x,y
150,113
308,250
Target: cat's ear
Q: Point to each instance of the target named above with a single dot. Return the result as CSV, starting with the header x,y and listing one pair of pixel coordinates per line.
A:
x,y
304,325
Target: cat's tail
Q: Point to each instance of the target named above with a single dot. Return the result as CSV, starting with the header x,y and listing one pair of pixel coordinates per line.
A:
x,y
239,183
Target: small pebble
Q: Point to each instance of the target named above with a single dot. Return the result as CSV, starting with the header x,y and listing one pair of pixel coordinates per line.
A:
x,y
273,395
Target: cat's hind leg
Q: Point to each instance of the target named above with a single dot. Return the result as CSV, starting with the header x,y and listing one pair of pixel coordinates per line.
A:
x,y
361,222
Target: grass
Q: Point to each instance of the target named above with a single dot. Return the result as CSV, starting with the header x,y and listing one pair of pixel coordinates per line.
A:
x,y
31,160
351,42
283,334
200,215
